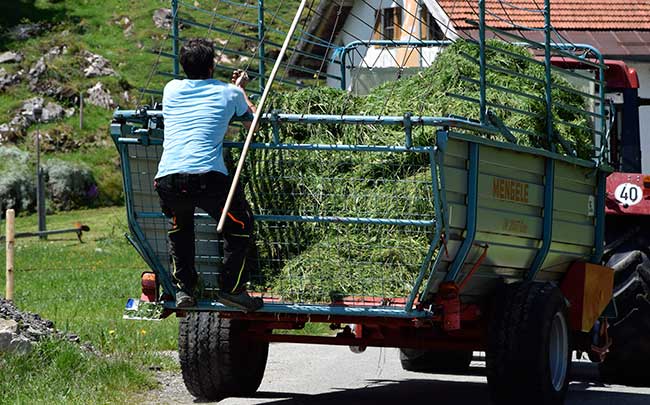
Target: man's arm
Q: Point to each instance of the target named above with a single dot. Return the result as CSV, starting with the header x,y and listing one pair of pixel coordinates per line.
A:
x,y
241,79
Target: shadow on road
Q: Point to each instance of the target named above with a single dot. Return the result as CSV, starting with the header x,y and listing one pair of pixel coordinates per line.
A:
x,y
586,389
389,391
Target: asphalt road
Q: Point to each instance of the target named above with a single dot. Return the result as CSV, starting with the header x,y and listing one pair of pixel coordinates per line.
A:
x,y
314,375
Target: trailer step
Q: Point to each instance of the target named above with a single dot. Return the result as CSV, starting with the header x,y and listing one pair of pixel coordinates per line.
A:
x,y
312,309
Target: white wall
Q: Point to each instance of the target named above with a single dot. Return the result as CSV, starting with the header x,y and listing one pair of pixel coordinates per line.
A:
x,y
643,70
374,57
353,30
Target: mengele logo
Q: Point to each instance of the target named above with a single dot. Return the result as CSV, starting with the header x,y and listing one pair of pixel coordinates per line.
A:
x,y
509,190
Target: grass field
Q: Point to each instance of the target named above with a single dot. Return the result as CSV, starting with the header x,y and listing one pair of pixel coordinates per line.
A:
x,y
98,27
83,287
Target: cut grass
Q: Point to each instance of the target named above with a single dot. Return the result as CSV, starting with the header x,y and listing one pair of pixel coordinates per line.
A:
x,y
325,264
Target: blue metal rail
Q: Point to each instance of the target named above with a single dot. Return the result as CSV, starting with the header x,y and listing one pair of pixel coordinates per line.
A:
x,y
143,128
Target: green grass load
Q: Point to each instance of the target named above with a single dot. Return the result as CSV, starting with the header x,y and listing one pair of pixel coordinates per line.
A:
x,y
320,262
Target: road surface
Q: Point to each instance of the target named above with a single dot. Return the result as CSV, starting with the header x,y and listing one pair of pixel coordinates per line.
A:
x,y
315,375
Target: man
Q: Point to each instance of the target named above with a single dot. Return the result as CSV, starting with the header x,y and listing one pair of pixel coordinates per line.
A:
x,y
192,173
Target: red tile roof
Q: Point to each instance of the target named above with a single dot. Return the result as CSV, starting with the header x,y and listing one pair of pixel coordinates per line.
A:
x,y
565,14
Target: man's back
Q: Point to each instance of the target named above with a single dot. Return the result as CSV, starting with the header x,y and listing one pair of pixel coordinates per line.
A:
x,y
197,114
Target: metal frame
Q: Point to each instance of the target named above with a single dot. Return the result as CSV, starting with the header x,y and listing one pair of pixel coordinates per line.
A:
x,y
342,52
472,205
125,133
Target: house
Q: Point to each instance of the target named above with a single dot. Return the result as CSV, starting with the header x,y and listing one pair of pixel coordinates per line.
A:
x,y
620,29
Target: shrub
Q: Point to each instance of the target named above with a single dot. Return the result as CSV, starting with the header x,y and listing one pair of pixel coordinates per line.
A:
x,y
17,183
69,185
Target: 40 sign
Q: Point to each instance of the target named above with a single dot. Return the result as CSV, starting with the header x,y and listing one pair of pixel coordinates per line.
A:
x,y
628,194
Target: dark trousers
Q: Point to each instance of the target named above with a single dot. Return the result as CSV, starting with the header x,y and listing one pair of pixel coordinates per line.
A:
x,y
179,195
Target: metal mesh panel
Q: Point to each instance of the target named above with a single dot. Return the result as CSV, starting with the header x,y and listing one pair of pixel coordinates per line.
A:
x,y
331,225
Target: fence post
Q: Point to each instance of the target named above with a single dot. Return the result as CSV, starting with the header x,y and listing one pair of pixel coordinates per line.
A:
x,y
10,222
261,34
81,110
175,47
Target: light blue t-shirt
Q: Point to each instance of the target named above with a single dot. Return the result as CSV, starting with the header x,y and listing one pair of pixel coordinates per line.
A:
x,y
197,114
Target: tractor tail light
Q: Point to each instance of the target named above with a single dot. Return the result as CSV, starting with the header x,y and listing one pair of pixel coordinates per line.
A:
x,y
149,287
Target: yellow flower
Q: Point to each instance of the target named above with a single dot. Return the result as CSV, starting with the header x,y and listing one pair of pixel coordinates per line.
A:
x,y
142,331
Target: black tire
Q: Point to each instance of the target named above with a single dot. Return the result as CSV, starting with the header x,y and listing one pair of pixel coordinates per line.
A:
x,y
217,361
629,356
438,362
519,366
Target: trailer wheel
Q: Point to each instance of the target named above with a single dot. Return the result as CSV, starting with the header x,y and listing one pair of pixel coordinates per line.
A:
x,y
528,354
217,361
629,356
432,361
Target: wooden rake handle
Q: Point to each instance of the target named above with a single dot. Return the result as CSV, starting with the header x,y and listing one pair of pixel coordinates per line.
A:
x,y
258,115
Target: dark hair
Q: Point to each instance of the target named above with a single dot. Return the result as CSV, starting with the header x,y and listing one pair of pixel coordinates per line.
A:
x,y
197,58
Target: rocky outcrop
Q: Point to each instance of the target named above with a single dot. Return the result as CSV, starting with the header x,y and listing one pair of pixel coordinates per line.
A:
x,y
11,57
37,70
10,340
7,79
126,24
97,65
163,17
20,330
100,97
26,116
50,111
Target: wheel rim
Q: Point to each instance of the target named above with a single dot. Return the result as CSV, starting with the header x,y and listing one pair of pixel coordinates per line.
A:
x,y
558,351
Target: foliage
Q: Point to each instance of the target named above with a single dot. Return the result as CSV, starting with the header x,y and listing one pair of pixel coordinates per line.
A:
x,y
61,372
17,185
69,185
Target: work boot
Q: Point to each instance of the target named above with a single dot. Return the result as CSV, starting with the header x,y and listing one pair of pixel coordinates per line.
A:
x,y
184,300
240,300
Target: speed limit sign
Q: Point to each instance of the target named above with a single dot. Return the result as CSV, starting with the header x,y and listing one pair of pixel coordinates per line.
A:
x,y
628,193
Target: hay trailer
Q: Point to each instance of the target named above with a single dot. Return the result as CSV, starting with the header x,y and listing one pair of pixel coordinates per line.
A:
x,y
467,242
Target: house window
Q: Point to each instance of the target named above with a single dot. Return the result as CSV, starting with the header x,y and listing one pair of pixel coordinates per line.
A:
x,y
430,28
388,24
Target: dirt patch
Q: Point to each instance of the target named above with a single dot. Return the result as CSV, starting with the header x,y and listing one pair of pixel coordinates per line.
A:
x,y
171,389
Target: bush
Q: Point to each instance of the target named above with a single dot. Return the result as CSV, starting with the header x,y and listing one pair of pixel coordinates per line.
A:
x,y
69,185
17,183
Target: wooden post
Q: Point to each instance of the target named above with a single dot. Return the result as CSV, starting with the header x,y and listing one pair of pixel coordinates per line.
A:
x,y
81,110
258,115
11,232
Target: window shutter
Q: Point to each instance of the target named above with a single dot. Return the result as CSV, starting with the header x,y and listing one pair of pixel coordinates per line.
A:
x,y
378,32
397,23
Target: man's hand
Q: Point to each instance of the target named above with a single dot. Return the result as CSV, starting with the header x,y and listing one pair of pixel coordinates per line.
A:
x,y
240,78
